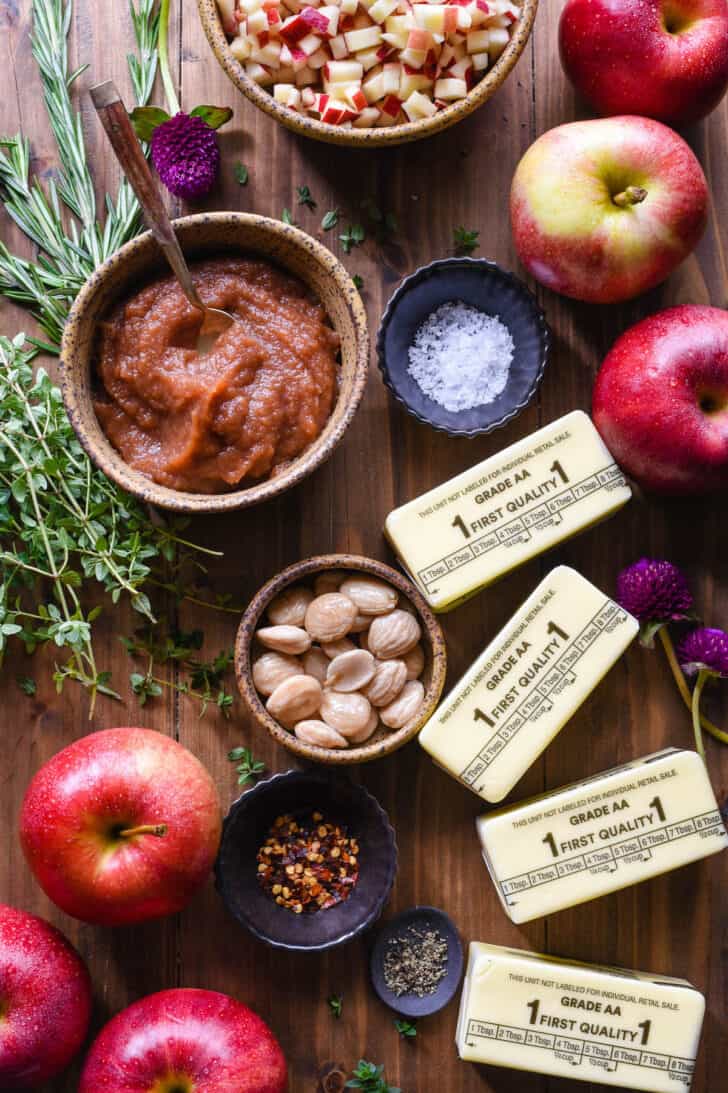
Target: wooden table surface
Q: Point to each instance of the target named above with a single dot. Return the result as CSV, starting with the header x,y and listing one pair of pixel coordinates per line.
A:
x,y
677,924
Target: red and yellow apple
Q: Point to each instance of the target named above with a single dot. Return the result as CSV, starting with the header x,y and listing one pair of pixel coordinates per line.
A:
x,y
604,210
661,400
666,59
185,1041
121,826
45,1001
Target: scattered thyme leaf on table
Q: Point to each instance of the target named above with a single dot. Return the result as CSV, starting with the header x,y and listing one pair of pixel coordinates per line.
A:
x,y
465,241
354,236
406,1029
241,174
286,217
27,685
248,768
330,220
305,197
370,1078
335,1002
385,224
358,281
206,679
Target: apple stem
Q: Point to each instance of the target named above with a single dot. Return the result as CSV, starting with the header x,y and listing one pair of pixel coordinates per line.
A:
x,y
144,829
633,195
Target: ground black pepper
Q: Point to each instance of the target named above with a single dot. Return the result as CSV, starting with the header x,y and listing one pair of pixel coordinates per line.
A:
x,y
415,962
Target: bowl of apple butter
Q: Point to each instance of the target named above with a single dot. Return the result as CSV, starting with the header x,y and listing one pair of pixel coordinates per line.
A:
x,y
256,412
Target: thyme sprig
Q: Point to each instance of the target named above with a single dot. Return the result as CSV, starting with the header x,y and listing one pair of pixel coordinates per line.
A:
x,y
71,246
205,680
64,527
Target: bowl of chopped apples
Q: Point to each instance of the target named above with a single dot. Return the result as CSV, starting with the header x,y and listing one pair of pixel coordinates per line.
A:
x,y
357,72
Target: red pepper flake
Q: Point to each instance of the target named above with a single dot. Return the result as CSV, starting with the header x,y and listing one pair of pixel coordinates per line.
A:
x,y
308,864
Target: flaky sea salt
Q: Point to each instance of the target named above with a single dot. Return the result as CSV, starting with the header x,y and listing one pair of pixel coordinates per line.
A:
x,y
461,357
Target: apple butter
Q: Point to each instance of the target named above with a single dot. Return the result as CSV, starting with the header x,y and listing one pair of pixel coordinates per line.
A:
x,y
255,401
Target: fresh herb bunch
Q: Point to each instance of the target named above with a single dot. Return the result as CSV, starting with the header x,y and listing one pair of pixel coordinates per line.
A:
x,y
205,680
370,1078
63,527
61,220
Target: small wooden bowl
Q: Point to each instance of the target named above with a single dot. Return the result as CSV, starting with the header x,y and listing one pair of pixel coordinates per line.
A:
x,y
376,137
211,234
432,641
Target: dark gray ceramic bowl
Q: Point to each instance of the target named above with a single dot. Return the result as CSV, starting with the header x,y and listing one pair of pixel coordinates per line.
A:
x,y
411,1005
486,286
246,828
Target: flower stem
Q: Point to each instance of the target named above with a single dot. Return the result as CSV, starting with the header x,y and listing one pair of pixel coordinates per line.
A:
x,y
677,672
697,729
169,91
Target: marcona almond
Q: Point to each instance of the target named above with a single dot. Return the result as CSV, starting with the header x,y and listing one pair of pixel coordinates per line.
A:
x,y
345,712
393,635
406,706
328,581
371,597
369,729
389,679
273,668
415,661
284,639
360,623
336,648
329,617
289,608
295,699
316,663
351,671
320,734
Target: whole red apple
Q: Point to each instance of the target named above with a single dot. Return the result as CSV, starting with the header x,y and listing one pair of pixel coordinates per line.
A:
x,y
180,1041
661,400
45,1000
666,59
604,210
121,826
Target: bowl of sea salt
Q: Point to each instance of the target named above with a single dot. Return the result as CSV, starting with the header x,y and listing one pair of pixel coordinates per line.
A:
x,y
463,346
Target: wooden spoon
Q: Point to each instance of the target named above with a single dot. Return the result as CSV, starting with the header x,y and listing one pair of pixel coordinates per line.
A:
x,y
124,141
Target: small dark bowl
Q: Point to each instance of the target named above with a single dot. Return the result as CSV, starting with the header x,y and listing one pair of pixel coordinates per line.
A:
x,y
481,284
410,1005
246,828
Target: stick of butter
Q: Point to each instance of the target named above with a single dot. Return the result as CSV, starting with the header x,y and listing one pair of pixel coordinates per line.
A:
x,y
527,684
572,1020
597,836
470,531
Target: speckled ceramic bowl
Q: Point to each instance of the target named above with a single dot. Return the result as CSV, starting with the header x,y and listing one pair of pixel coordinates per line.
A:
x,y
361,138
383,742
215,233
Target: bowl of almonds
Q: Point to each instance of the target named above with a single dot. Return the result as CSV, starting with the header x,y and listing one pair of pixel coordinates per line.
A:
x,y
340,659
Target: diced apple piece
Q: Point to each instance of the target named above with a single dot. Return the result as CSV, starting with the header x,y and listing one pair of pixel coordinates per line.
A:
x,y
369,58
373,85
366,38
338,47
464,21
450,89
227,15
430,16
320,103
299,59
306,76
480,61
392,76
318,59
330,12
310,44
249,6
257,22
268,55
343,71
447,56
356,98
367,118
286,94
391,106
413,81
337,92
240,48
348,7
334,114
477,41
308,97
418,106
420,39
499,39
382,9
414,58
258,73
397,40
294,29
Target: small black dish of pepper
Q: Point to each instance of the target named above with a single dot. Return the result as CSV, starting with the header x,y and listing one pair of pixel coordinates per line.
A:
x,y
417,962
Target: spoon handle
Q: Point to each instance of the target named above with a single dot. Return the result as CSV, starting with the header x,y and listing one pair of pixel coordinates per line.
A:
x,y
124,141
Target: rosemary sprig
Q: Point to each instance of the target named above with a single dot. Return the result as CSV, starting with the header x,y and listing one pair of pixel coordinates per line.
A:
x,y
70,246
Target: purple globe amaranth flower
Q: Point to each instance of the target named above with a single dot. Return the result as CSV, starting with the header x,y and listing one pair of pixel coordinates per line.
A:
x,y
186,155
655,592
704,649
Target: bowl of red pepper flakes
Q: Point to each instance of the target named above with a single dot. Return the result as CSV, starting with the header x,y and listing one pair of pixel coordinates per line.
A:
x,y
307,860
